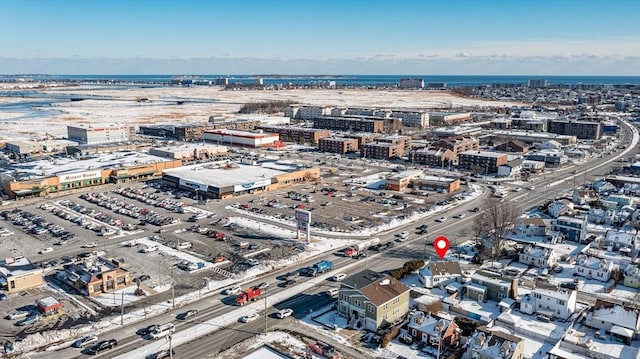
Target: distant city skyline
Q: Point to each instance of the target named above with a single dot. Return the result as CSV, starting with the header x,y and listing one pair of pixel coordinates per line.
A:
x,y
320,37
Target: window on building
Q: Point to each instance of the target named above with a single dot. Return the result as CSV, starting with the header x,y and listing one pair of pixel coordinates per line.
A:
x,y
561,302
370,308
396,300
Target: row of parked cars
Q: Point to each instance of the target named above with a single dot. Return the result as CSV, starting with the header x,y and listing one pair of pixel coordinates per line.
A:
x,y
145,215
151,199
35,224
97,215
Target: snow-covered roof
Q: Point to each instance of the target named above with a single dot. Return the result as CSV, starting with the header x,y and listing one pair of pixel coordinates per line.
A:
x,y
617,315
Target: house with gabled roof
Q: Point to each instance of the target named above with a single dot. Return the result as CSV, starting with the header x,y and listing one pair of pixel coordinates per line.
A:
x,y
531,227
370,300
441,273
433,329
540,257
491,344
552,303
562,207
613,319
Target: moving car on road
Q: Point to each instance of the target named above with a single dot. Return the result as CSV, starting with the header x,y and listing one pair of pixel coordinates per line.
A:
x,y
84,341
102,346
188,314
249,318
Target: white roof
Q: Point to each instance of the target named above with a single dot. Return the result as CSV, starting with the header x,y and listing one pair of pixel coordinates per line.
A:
x,y
223,176
617,315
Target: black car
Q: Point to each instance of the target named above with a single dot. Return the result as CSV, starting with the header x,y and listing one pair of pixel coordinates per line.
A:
x,y
475,209
288,283
101,346
162,354
147,330
142,278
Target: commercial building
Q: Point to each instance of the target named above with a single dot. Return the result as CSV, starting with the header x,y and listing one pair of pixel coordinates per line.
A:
x,y
338,145
416,178
401,181
451,131
448,118
97,275
23,147
511,168
584,130
370,300
18,274
95,135
531,137
482,162
157,130
242,138
228,179
40,178
297,134
190,152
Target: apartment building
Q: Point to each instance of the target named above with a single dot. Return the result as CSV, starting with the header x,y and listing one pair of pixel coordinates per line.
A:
x,y
404,141
369,299
306,112
584,130
349,124
418,119
459,144
512,146
448,118
297,134
382,151
482,161
338,145
411,83
362,137
434,157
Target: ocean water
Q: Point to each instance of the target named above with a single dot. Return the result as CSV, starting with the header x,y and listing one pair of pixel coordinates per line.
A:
x,y
362,80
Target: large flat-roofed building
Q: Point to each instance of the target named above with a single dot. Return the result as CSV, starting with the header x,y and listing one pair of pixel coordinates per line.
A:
x,y
297,134
482,161
349,124
436,157
404,141
532,137
23,147
416,178
362,137
411,83
157,130
242,138
450,131
306,112
228,179
400,181
459,144
190,151
584,130
18,274
338,145
99,134
39,178
448,118
409,118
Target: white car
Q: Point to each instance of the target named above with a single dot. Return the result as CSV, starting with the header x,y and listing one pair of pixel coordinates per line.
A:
x,y
284,313
531,188
441,219
516,189
403,235
46,250
338,277
84,341
89,245
459,215
249,318
232,290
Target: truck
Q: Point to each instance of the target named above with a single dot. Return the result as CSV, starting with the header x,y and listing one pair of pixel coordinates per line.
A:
x,y
320,267
356,249
248,295
324,350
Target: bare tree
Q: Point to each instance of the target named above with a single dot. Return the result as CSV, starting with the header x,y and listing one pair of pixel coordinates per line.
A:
x,y
500,218
480,226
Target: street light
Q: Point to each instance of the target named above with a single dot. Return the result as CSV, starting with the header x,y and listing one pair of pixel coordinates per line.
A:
x,y
170,339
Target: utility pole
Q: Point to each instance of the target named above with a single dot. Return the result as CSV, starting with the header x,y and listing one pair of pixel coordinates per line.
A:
x,y
122,309
173,294
265,315
170,346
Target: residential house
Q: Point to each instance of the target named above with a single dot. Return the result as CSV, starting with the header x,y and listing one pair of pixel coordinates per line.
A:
x,y
562,207
511,168
440,274
615,241
492,344
433,330
370,300
552,303
531,227
532,166
601,216
549,145
632,276
573,228
593,268
613,319
581,197
486,285
538,257
603,186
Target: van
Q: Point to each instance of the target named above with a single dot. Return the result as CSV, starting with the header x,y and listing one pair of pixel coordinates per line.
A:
x,y
333,292
163,330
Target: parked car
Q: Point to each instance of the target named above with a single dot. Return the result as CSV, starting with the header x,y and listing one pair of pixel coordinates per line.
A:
x,y
102,346
32,318
89,245
84,341
284,313
188,314
46,250
249,318
338,277
17,314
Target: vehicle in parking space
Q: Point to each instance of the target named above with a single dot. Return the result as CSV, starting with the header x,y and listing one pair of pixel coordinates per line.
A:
x,y
161,354
188,314
89,245
441,219
148,249
17,314
102,346
249,318
253,262
338,277
84,341
333,292
283,313
184,245
32,318
46,250
161,331
232,291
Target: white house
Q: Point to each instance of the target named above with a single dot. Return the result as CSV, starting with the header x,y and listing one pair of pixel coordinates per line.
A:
x,y
549,145
593,268
632,276
607,317
552,303
531,227
603,186
615,240
559,208
436,274
601,216
533,166
538,257
581,197
511,168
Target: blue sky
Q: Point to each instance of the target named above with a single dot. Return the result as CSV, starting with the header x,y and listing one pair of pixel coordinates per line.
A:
x,y
285,36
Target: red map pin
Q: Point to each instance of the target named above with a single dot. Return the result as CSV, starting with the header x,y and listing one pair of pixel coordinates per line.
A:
x,y
441,244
